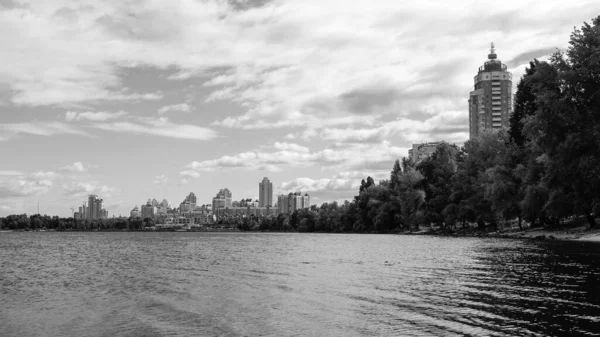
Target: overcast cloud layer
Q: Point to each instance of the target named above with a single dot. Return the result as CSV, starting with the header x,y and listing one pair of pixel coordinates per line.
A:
x,y
155,99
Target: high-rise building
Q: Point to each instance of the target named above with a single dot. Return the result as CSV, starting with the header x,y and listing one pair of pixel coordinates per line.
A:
x,y
222,200
94,209
490,104
164,204
265,193
191,198
148,210
135,212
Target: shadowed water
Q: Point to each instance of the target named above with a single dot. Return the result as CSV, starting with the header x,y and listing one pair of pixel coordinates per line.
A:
x,y
238,284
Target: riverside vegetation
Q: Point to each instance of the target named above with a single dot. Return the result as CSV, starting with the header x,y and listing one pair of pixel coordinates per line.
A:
x,y
545,168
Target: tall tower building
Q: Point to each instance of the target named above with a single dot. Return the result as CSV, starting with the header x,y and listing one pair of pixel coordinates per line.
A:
x,y
265,193
92,206
490,104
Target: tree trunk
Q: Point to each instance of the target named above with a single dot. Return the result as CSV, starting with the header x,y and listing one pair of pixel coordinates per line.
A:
x,y
591,220
520,223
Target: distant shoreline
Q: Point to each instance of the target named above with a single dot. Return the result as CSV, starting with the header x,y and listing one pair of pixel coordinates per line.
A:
x,y
581,233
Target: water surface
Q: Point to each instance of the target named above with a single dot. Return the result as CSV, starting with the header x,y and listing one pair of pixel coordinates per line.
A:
x,y
240,284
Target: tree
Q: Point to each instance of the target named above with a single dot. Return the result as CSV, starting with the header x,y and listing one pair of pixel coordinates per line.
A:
x,y
566,124
437,171
524,106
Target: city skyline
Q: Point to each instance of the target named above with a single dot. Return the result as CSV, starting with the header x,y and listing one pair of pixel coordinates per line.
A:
x,y
131,100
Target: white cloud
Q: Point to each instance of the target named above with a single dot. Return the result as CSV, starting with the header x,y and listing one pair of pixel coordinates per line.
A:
x,y
40,129
274,57
290,146
93,116
313,185
82,189
183,107
159,127
451,126
78,167
367,156
160,179
189,174
14,184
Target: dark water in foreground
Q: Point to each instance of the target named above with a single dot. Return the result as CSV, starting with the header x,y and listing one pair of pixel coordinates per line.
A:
x,y
228,284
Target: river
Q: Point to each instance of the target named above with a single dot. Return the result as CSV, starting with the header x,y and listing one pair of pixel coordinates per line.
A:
x,y
276,284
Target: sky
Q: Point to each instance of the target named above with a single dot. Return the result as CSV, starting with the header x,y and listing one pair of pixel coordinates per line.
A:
x,y
139,99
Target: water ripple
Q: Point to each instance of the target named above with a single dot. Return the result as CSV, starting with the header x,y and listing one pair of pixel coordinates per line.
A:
x,y
227,284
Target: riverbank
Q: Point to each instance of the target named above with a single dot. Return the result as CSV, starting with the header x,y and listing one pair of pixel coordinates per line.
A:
x,y
567,232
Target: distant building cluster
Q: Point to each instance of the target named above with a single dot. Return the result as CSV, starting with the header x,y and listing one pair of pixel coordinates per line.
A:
x,y
190,213
94,209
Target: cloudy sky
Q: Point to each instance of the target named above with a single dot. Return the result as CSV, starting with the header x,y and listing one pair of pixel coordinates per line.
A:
x,y
138,99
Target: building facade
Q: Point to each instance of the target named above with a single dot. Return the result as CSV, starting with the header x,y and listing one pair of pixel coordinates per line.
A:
x,y
490,104
222,200
419,152
291,202
135,212
93,210
148,210
265,193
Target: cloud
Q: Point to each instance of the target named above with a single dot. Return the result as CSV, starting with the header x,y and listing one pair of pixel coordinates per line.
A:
x,y
364,101
285,65
526,57
342,186
451,126
11,4
291,147
355,156
76,167
40,129
81,189
93,116
314,185
160,179
14,184
159,127
183,107
241,5
189,174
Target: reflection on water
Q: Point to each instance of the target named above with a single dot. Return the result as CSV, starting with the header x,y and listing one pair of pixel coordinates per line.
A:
x,y
238,284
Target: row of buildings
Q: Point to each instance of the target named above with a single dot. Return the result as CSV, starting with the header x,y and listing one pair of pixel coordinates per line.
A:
x,y
189,211
490,104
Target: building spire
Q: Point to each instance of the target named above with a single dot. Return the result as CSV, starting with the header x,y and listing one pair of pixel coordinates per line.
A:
x,y
492,55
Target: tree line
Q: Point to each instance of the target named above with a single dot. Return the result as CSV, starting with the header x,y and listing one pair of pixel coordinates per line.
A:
x,y
544,168
46,222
